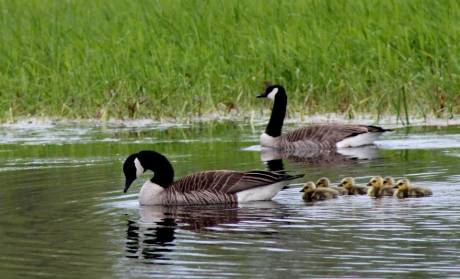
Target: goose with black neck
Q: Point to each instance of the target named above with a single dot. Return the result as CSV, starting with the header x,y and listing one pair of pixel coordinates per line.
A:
x,y
313,137
201,188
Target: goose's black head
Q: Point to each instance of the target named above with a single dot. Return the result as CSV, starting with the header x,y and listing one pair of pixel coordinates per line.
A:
x,y
273,92
136,164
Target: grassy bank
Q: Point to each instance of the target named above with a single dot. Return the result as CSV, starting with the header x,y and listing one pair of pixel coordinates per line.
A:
x,y
132,59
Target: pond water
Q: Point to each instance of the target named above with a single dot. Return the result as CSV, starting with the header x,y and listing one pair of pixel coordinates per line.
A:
x,y
63,213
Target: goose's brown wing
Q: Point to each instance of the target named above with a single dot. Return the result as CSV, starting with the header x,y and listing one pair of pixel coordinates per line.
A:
x,y
325,132
228,182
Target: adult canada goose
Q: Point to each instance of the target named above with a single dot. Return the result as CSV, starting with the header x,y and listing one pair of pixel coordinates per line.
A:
x,y
314,137
349,184
406,190
311,193
377,189
324,182
207,187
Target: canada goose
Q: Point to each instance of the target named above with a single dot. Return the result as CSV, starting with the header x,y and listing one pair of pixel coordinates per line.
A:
x,y
314,137
377,189
349,184
311,193
324,182
405,190
207,187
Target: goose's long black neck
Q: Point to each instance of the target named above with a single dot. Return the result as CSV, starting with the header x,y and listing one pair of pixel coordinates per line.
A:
x,y
275,124
161,167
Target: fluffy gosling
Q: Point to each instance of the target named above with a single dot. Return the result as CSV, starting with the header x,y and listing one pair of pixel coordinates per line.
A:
x,y
406,190
311,193
377,189
348,183
324,182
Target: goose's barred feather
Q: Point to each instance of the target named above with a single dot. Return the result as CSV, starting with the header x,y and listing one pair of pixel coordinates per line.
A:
x,y
213,187
226,181
322,136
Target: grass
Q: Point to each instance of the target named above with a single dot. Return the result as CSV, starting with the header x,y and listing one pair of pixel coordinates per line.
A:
x,y
144,58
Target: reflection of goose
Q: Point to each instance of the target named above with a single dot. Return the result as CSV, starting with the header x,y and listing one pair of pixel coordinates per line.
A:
x,y
314,137
150,242
305,157
208,187
152,237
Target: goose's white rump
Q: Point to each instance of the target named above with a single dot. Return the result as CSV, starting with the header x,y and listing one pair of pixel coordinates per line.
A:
x,y
359,140
263,193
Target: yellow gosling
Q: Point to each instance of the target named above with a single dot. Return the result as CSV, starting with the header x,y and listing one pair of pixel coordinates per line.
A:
x,y
377,189
348,183
388,181
311,193
406,190
324,182
388,184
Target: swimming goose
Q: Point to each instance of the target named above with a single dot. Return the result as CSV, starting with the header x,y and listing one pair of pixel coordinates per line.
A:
x,y
406,190
311,193
349,184
207,187
324,182
314,137
377,189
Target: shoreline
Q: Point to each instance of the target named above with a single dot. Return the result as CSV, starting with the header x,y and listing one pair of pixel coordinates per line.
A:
x,y
253,118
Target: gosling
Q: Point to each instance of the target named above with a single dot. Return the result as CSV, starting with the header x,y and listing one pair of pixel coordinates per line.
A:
x,y
311,193
377,189
405,190
348,183
388,183
324,182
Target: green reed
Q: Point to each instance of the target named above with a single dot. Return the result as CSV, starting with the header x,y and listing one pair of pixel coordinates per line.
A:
x,y
169,58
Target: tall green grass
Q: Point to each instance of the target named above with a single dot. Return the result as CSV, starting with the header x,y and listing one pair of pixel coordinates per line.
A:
x,y
145,58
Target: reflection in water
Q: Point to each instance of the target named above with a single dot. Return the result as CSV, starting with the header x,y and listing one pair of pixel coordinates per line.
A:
x,y
320,157
152,237
150,242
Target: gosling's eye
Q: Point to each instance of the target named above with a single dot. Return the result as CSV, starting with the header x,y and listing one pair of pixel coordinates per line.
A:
x,y
373,181
400,184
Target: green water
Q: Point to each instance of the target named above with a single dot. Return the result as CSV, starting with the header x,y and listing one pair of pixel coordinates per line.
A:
x,y
63,213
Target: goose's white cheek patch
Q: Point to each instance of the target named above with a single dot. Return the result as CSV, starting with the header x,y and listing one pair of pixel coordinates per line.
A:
x,y
139,168
272,94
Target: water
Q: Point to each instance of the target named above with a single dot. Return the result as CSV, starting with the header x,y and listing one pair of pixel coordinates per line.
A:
x,y
63,213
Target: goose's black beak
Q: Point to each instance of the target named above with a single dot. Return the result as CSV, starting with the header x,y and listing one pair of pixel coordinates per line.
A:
x,y
261,96
127,184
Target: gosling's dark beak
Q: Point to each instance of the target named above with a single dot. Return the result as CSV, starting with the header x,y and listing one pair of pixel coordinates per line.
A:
x,y
369,184
127,184
302,190
394,187
340,185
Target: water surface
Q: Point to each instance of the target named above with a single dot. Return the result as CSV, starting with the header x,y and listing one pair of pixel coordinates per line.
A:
x,y
63,213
